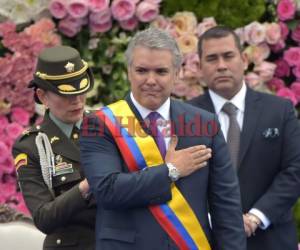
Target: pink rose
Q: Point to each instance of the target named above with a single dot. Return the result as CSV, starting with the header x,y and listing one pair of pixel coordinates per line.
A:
x,y
3,122
284,30
278,47
282,69
100,17
286,9
77,8
253,80
58,8
255,33
275,84
296,34
123,9
98,5
288,94
180,88
129,24
8,189
6,28
292,56
206,24
191,66
295,87
13,130
265,70
8,165
146,12
20,116
153,1
101,27
69,26
241,34
296,71
161,22
4,152
5,67
273,33
258,53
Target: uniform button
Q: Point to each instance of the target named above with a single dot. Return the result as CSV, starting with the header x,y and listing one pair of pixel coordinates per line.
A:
x,y
38,127
63,178
58,241
75,136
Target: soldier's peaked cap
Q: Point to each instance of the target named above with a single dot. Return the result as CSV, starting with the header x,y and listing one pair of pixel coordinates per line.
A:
x,y
61,70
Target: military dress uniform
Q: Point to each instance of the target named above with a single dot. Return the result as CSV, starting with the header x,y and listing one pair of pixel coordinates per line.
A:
x,y
57,206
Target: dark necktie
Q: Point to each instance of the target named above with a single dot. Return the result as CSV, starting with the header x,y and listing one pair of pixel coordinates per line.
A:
x,y
234,132
75,135
157,135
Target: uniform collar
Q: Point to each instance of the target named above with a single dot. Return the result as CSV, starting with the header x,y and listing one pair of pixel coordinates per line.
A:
x,y
66,128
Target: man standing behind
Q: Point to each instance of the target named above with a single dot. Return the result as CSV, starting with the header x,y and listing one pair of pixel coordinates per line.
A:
x,y
149,195
263,137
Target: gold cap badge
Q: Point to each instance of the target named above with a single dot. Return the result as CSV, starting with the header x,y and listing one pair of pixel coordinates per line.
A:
x,y
70,67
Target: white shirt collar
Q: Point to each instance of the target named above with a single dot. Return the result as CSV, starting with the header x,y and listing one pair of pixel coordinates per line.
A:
x,y
163,110
238,100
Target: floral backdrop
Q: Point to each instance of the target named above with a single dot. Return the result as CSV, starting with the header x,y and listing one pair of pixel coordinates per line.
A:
x,y
101,29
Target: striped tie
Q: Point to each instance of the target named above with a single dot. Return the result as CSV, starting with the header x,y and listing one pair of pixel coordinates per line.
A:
x,y
234,132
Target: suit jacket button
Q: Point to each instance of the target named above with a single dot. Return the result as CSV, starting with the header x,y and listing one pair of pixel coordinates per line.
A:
x,y
63,178
58,241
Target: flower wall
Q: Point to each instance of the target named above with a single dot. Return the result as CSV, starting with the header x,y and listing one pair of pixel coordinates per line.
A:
x,y
101,30
20,50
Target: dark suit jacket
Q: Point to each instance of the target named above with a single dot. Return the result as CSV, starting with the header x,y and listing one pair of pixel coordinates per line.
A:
x,y
125,222
269,166
66,218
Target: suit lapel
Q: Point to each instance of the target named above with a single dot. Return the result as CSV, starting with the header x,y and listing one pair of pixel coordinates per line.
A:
x,y
251,116
253,110
61,145
205,102
178,122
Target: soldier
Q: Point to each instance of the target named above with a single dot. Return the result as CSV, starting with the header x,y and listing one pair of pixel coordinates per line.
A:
x,y
47,156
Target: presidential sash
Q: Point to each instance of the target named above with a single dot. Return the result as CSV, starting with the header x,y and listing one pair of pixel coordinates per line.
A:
x,y
139,151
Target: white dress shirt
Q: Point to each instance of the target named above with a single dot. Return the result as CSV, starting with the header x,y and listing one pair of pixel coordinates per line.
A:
x,y
163,110
239,101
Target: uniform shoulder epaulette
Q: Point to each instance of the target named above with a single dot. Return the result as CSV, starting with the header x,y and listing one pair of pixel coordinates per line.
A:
x,y
29,131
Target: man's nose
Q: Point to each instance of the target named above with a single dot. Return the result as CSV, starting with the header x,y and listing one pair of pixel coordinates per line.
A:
x,y
222,65
151,78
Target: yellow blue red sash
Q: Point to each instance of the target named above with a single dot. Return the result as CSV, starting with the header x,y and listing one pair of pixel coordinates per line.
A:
x,y
176,217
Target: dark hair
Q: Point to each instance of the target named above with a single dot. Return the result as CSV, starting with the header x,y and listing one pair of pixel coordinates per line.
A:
x,y
218,32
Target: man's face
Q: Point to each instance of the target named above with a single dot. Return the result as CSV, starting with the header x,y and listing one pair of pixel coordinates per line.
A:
x,y
222,66
152,76
68,109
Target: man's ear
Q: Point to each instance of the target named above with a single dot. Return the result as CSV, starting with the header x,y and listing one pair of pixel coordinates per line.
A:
x,y
42,95
245,60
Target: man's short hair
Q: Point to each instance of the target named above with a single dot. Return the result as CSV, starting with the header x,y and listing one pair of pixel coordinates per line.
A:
x,y
218,32
154,38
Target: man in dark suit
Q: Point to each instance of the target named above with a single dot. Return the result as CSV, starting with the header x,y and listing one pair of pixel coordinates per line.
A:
x,y
47,156
263,136
151,196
